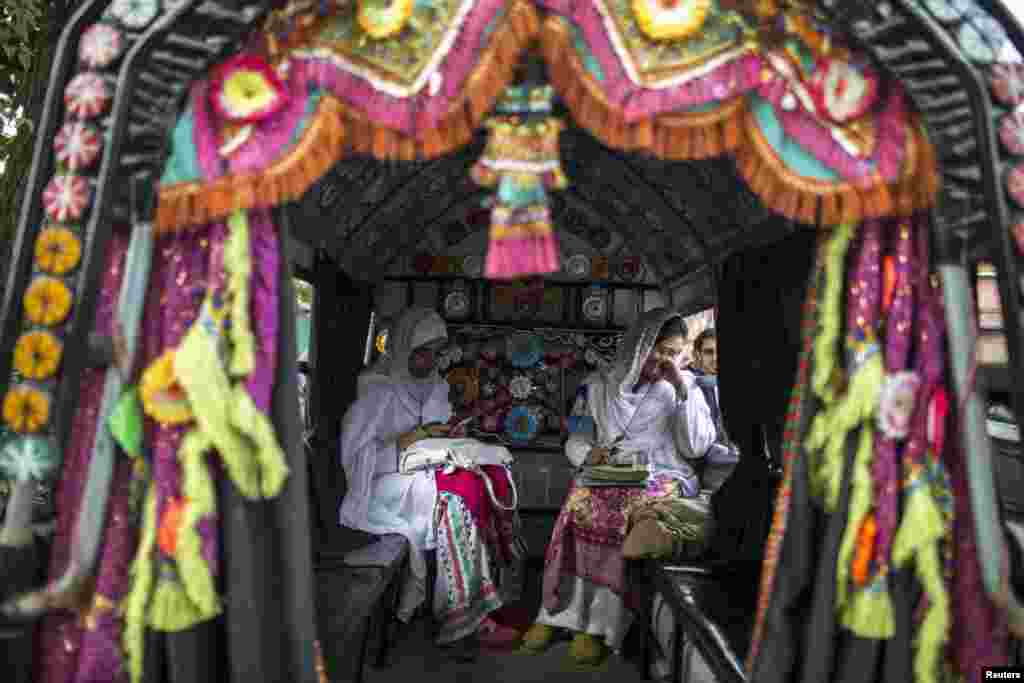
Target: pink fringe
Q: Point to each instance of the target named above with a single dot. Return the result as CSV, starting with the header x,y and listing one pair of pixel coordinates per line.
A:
x,y
421,112
514,258
271,137
727,81
204,132
811,134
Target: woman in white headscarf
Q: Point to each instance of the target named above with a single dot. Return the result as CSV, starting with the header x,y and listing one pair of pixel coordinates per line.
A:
x,y
641,410
401,400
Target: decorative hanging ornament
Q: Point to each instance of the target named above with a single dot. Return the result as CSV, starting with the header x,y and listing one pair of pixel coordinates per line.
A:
x,y
58,250
101,44
87,95
26,409
1007,83
37,355
77,145
47,301
670,19
522,161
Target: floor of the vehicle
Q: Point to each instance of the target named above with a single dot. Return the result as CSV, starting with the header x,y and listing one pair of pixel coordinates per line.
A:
x,y
416,656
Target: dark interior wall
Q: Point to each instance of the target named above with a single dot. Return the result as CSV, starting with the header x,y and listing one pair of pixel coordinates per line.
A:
x,y
341,320
760,296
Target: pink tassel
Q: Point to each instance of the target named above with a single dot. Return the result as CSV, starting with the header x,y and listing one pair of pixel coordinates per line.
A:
x,y
509,259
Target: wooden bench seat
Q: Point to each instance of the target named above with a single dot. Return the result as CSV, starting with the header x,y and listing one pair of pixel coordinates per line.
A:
x,y
354,585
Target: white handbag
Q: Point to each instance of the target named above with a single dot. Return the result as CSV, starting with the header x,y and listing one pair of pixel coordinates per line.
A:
x,y
452,454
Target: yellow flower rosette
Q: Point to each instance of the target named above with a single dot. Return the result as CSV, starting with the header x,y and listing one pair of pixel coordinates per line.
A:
x,y
163,399
37,355
670,19
58,250
47,301
26,410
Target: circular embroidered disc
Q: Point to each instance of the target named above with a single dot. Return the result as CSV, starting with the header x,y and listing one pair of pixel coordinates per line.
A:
x,y
66,197
981,38
135,14
1007,83
1015,185
77,145
87,95
101,44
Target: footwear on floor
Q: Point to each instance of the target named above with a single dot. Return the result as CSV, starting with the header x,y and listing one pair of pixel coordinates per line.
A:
x,y
495,635
587,649
538,637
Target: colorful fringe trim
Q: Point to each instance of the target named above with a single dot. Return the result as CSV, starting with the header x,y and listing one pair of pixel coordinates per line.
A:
x,y
196,203
337,130
821,202
678,135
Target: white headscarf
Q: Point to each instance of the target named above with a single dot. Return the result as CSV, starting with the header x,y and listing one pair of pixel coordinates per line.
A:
x,y
636,346
415,328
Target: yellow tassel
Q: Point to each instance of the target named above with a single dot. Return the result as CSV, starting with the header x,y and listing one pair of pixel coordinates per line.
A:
x,y
238,264
869,613
133,637
171,610
197,487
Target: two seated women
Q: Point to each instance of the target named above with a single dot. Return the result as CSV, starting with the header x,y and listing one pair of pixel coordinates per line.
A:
x,y
641,410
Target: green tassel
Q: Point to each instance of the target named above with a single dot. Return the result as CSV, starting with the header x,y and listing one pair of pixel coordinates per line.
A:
x,y
831,312
133,637
860,506
270,460
827,438
238,265
125,422
921,531
171,609
197,487
934,631
869,613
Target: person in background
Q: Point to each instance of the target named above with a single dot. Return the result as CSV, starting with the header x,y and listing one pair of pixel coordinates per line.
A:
x,y
638,410
402,400
723,456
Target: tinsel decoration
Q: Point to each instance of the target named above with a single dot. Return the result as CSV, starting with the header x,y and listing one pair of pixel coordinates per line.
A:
x,y
522,163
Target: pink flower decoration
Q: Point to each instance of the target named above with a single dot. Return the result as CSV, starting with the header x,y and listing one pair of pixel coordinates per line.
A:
x,y
1015,185
245,89
897,404
77,145
66,197
1018,237
101,44
87,95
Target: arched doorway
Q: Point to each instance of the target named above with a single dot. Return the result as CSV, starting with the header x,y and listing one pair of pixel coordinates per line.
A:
x,y
908,43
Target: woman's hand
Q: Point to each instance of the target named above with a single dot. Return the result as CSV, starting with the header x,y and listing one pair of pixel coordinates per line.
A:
x,y
598,456
430,431
674,376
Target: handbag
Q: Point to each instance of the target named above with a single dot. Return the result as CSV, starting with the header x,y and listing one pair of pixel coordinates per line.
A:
x,y
451,453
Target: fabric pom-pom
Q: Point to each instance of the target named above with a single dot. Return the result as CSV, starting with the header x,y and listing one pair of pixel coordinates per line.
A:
x,y
896,405
246,89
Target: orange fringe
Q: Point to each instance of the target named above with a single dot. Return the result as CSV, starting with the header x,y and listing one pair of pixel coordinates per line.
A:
x,y
494,70
338,130
822,202
195,203
670,136
865,549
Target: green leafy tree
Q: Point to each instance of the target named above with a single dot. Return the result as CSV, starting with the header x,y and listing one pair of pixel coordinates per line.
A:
x,y
29,30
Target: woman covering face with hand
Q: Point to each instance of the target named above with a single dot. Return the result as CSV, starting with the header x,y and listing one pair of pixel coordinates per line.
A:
x,y
639,411
401,401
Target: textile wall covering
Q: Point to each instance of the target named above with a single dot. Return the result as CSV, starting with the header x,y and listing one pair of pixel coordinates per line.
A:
x,y
817,133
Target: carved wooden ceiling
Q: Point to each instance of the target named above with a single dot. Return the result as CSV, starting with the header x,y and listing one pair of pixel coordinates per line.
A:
x,y
680,216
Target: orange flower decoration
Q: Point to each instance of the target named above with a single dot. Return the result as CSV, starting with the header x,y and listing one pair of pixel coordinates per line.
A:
x,y
170,523
865,549
47,301
26,410
58,250
37,355
163,399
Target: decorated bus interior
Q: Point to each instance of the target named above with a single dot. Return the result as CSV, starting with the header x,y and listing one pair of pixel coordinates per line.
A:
x,y
233,202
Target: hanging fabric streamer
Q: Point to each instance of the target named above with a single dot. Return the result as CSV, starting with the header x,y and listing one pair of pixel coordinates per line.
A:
x,y
522,162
